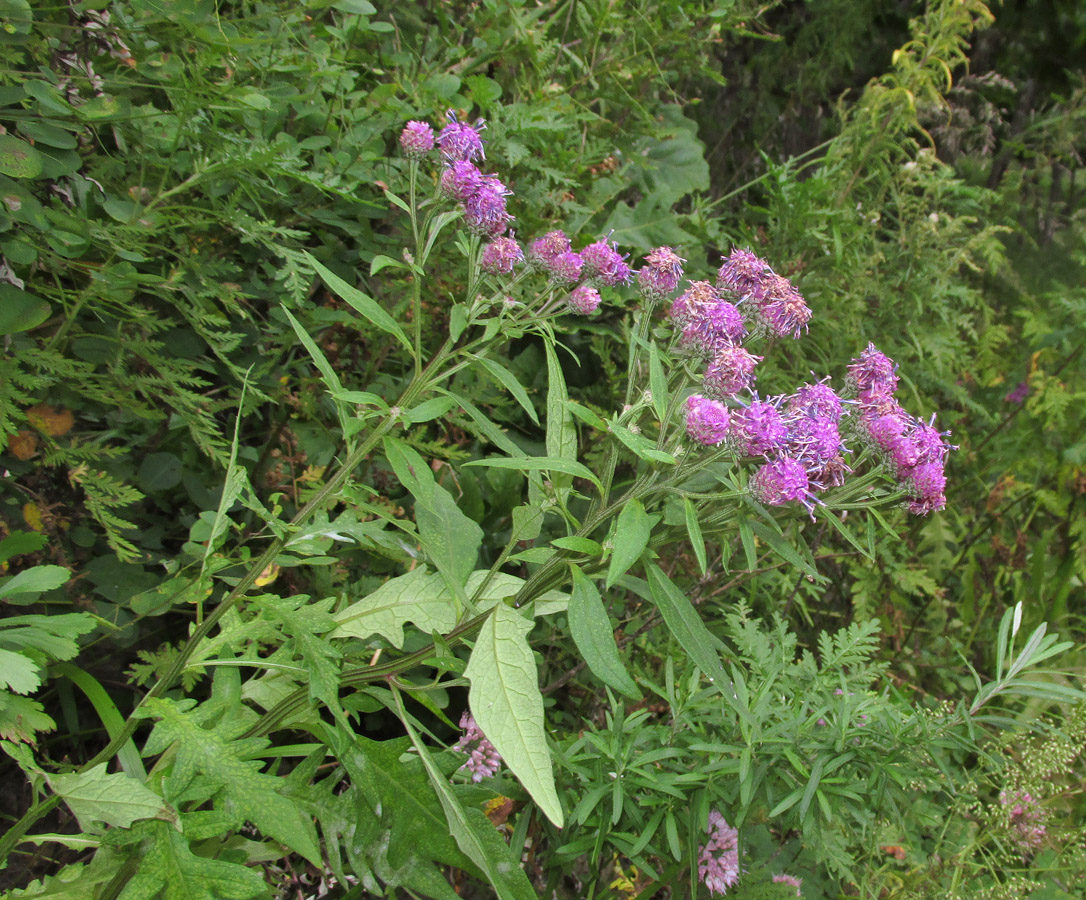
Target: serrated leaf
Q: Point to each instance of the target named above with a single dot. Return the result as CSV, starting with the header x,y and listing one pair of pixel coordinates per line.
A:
x,y
592,633
632,532
119,800
508,707
320,657
421,598
363,304
56,636
18,672
169,870
208,752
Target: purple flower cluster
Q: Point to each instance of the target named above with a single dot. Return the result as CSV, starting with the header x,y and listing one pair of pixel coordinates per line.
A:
x,y
910,447
661,273
501,255
718,860
797,883
778,308
1026,818
597,265
483,759
417,139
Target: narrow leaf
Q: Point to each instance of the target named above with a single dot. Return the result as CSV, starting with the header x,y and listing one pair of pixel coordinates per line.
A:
x,y
594,637
509,381
686,625
632,532
693,528
540,464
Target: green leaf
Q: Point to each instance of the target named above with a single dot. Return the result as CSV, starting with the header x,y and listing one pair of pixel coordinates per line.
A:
x,y
840,528
20,311
473,832
111,717
508,707
363,304
450,538
592,633
303,621
509,381
579,545
783,549
18,672
428,410
18,158
410,468
421,598
693,528
561,433
632,532
55,636
168,869
586,415
253,794
540,464
331,379
641,445
117,799
657,382
35,580
686,625
19,542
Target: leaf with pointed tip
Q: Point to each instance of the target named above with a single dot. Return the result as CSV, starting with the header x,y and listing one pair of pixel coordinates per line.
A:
x,y
632,532
594,637
117,799
508,706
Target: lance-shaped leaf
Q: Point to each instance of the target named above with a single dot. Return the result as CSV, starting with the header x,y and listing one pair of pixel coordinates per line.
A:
x,y
684,622
508,707
450,538
632,532
561,434
591,631
540,464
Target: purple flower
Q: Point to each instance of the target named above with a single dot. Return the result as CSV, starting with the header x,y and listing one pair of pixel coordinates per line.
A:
x,y
501,255
483,759
742,272
815,441
689,301
604,263
886,428
542,251
818,400
484,211
787,316
706,420
780,481
758,429
711,327
417,139
460,180
797,883
583,300
830,473
566,267
873,371
459,141
718,860
731,372
661,274
1019,394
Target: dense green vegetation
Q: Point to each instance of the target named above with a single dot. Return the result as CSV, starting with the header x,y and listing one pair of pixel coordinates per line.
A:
x,y
291,478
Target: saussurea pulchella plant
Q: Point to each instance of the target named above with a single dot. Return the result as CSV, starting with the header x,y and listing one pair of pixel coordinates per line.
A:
x,y
694,454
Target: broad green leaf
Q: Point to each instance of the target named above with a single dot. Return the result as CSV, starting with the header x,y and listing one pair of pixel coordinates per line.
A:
x,y
509,381
561,433
169,870
18,158
579,545
35,580
95,796
473,832
19,542
632,532
209,752
686,625
592,633
304,621
410,468
55,636
450,538
20,311
508,707
657,382
21,718
434,408
693,528
540,464
421,598
365,305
